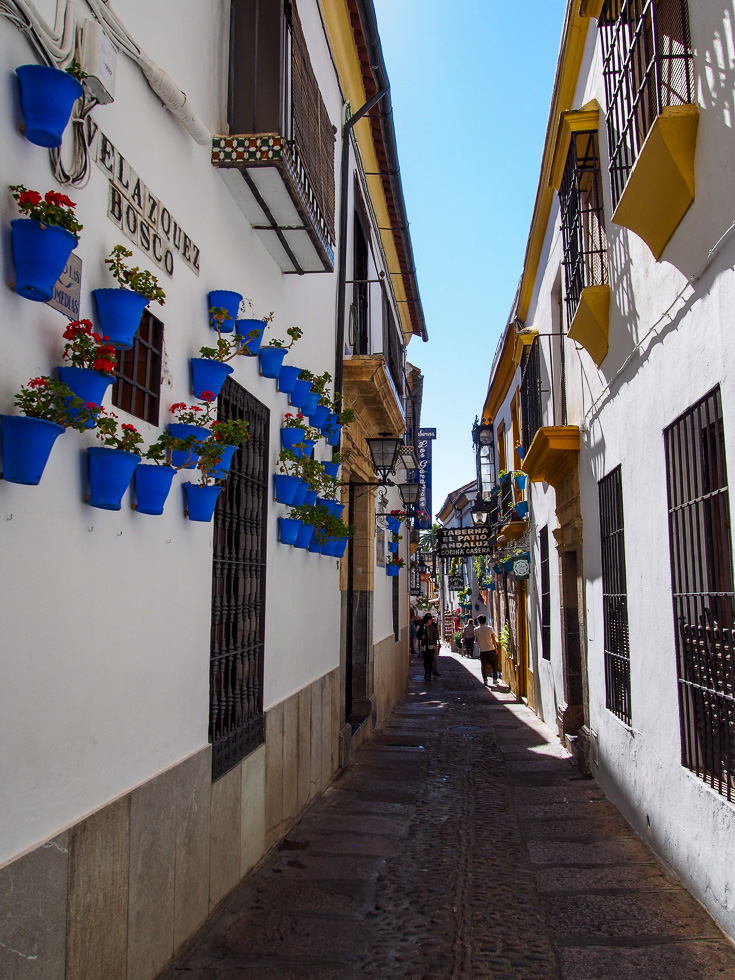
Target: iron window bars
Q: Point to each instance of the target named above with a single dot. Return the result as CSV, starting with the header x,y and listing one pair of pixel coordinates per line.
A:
x,y
647,65
238,590
582,220
545,593
614,596
531,415
702,589
137,387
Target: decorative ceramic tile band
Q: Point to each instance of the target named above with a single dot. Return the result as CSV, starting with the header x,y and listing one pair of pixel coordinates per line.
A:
x,y
233,151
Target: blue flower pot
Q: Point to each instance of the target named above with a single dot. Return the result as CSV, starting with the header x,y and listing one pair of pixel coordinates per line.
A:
x,y
271,361
285,487
152,486
288,530
329,547
221,471
303,538
208,375
40,255
47,97
392,570
86,384
311,403
508,565
252,345
319,416
308,447
315,545
310,498
228,300
118,313
521,510
331,469
200,501
520,481
333,435
300,393
292,438
299,497
287,377
328,423
110,473
27,445
393,546
340,547
181,430
394,524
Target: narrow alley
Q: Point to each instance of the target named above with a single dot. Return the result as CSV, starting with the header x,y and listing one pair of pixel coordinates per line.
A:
x,y
460,843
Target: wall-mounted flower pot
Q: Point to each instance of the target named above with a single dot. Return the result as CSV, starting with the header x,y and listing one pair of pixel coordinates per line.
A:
x,y
118,314
181,430
288,530
311,403
287,377
331,469
392,570
228,300
291,438
333,435
340,547
319,416
40,254
520,481
310,498
299,497
303,538
508,565
285,487
271,361
521,510
300,393
200,501
47,97
152,486
308,447
27,445
208,375
315,545
393,546
110,473
252,343
86,384
394,524
329,547
221,471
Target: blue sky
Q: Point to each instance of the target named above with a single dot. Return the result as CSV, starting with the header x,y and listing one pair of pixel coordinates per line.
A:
x,y
471,84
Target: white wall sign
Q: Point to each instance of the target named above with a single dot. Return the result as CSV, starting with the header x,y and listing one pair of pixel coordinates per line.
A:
x,y
68,288
137,212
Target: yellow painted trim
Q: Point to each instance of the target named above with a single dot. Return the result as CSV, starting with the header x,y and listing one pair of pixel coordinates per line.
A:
x,y
347,61
591,322
581,120
660,187
591,8
565,84
502,377
524,338
552,454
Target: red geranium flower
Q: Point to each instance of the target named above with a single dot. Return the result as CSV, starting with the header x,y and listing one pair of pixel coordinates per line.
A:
x,y
29,197
207,396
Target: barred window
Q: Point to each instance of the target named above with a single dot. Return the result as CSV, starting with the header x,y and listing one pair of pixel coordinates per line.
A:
x,y
582,220
614,597
647,65
531,415
545,594
137,387
702,589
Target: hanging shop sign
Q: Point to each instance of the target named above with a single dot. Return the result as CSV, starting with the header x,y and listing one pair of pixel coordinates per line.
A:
x,y
68,289
456,583
464,542
521,567
138,213
424,446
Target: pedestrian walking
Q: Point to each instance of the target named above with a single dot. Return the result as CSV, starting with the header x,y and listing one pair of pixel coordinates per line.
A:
x,y
488,643
429,646
468,638
414,635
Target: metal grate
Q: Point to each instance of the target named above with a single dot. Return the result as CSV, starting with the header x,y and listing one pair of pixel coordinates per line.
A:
x,y
507,497
531,420
647,65
238,590
582,220
137,387
545,594
702,587
614,597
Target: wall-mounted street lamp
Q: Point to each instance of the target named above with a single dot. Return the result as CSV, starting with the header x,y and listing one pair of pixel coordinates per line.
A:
x,y
384,450
483,438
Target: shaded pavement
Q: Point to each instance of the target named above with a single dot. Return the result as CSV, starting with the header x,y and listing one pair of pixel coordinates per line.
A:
x,y
460,843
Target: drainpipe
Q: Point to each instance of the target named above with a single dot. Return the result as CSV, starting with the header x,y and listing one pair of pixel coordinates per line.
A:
x,y
344,188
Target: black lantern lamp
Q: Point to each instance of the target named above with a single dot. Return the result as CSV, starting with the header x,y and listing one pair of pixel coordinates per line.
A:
x,y
410,493
384,450
483,437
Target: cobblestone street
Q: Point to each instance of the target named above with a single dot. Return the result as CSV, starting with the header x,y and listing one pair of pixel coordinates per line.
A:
x,y
460,843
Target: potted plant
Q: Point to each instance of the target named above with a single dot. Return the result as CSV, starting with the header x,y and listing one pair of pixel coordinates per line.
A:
x,y
229,434
273,353
252,328
119,310
336,420
47,97
394,521
191,425
519,478
393,566
301,389
48,408
317,402
201,498
111,466
153,477
293,432
91,362
42,241
210,369
394,542
229,301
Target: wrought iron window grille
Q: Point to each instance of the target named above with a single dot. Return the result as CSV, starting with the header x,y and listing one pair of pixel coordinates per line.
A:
x,y
614,597
531,414
545,593
582,220
647,65
238,590
702,590
137,388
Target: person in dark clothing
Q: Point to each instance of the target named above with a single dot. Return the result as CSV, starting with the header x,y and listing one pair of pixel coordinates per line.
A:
x,y
429,645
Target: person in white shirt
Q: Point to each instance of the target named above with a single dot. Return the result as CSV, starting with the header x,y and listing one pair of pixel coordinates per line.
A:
x,y
488,643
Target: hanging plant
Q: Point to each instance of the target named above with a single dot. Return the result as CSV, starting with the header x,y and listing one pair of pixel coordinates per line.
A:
x,y
119,311
42,241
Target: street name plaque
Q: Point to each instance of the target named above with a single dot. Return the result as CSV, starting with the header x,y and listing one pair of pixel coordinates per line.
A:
x,y
464,542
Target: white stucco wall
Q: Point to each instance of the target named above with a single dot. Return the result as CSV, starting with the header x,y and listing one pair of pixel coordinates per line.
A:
x,y
106,616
